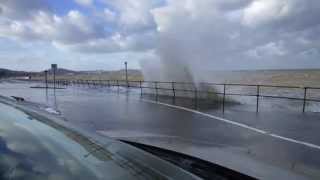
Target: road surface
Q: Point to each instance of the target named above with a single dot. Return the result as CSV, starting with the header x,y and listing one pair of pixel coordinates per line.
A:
x,y
266,145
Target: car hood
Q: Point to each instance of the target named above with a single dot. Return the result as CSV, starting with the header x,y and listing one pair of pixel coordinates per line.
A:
x,y
34,147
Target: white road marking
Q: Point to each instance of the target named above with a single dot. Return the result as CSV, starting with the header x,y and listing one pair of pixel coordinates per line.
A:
x,y
310,145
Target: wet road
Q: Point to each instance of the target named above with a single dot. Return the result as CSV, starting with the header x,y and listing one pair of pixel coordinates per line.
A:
x,y
267,145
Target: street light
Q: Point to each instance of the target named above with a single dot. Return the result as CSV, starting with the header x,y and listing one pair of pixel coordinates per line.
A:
x,y
54,68
126,70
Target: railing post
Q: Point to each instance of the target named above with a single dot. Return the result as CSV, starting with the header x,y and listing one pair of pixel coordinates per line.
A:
x,y
54,78
224,97
195,98
173,91
108,82
156,87
118,84
46,78
304,99
140,82
258,95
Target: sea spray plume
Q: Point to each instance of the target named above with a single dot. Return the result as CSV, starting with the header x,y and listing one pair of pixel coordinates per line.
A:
x,y
192,37
195,37
189,42
204,35
151,68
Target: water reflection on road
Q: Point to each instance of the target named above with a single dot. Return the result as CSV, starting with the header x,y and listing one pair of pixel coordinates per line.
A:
x,y
123,115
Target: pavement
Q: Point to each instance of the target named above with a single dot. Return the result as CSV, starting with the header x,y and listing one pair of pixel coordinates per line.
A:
x,y
266,145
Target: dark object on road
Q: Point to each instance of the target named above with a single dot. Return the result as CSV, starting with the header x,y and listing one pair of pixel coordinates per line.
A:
x,y
18,98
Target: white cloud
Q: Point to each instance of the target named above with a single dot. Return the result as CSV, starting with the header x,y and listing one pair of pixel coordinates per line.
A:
x,y
109,15
130,20
282,14
84,2
185,34
268,50
134,15
72,28
264,11
76,32
18,9
115,43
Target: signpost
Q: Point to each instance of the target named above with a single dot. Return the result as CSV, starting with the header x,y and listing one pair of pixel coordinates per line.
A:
x,y
54,67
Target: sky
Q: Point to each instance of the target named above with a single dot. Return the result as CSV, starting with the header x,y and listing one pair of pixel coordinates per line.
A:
x,y
168,37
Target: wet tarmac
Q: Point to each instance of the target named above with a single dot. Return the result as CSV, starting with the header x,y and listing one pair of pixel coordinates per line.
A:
x,y
266,145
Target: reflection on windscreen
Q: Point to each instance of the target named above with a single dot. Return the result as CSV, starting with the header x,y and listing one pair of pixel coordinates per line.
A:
x,y
32,150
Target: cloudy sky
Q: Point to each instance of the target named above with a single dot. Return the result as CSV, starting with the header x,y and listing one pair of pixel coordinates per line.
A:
x,y
171,34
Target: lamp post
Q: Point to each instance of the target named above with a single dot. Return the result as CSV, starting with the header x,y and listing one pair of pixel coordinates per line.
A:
x,y
54,68
126,70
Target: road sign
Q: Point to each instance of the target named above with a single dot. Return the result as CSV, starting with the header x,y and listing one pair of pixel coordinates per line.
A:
x,y
54,66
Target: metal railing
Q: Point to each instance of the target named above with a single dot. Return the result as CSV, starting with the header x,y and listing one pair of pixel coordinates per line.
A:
x,y
196,91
